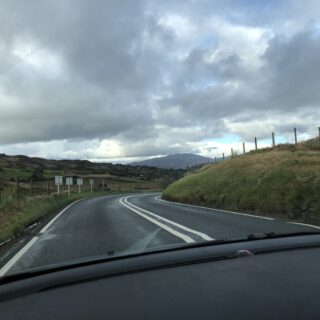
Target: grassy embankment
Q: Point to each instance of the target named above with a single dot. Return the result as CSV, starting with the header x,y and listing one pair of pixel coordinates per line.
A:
x,y
283,181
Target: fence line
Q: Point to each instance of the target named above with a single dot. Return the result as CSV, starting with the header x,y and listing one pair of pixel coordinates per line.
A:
x,y
273,143
18,189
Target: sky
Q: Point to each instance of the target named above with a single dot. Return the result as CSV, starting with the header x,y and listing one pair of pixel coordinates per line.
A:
x,y
120,81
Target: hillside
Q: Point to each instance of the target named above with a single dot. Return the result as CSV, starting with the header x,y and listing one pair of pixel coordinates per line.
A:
x,y
175,161
283,181
42,169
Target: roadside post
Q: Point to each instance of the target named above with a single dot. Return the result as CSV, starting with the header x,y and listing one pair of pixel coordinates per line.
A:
x,y
273,140
79,183
243,147
69,182
18,187
58,180
295,135
31,188
91,184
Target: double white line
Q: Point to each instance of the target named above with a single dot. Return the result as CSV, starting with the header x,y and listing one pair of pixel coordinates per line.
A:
x,y
165,223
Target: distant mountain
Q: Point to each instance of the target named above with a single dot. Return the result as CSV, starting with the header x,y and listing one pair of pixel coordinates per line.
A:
x,y
175,161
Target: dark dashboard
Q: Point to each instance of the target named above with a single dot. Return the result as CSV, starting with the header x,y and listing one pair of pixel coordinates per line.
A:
x,y
257,279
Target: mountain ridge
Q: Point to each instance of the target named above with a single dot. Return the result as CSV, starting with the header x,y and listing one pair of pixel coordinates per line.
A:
x,y
174,161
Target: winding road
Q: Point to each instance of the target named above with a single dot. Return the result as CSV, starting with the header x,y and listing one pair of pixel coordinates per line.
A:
x,y
122,224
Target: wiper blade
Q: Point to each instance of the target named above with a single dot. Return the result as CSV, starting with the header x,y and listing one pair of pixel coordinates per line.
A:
x,y
270,235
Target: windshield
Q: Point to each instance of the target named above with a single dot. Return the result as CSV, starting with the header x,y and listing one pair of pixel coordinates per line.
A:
x,y
128,127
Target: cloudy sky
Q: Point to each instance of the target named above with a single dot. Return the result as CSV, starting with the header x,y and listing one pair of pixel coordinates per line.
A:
x,y
122,80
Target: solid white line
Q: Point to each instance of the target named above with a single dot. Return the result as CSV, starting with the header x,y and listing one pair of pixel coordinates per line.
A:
x,y
58,216
24,249
163,226
304,224
201,207
17,256
200,234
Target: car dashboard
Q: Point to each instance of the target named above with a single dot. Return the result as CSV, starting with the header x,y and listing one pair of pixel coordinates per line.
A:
x,y
256,279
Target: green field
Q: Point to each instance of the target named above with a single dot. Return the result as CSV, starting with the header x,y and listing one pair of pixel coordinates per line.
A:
x,y
8,173
283,181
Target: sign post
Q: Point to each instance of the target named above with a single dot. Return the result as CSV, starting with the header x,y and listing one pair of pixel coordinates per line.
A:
x,y
79,183
91,184
58,180
69,182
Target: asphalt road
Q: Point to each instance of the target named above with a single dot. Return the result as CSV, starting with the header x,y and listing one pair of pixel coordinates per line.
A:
x,y
120,224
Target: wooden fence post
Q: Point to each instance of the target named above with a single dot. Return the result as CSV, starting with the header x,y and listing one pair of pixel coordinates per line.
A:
x,y
273,140
18,187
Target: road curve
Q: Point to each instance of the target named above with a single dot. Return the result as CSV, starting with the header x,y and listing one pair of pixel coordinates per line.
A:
x,y
119,224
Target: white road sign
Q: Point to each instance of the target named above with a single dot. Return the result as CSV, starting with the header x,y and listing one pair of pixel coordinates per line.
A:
x,y
58,180
79,181
69,181
91,181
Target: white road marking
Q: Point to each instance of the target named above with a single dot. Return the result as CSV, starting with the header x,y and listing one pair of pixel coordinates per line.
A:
x,y
17,256
201,207
200,234
24,249
163,226
58,216
304,224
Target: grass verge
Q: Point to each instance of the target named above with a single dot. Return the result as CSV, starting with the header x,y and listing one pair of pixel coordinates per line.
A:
x,y
281,182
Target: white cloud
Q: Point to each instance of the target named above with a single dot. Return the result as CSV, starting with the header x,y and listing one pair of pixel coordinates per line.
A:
x,y
40,58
